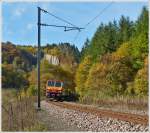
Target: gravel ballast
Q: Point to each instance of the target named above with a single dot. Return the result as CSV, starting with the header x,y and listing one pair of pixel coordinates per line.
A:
x,y
81,121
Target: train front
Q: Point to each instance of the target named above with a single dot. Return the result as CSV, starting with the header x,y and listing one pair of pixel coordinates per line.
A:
x,y
54,89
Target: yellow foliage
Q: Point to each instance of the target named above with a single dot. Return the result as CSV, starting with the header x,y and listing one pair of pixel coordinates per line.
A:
x,y
141,80
97,77
82,73
55,51
124,50
31,91
23,93
110,76
32,50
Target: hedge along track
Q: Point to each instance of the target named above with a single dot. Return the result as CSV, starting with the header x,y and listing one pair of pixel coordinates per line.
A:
x,y
134,118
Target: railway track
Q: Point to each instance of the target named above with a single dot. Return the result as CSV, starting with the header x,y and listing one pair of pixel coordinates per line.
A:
x,y
134,118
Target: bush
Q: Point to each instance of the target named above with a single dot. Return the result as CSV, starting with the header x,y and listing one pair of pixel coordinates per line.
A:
x,y
32,91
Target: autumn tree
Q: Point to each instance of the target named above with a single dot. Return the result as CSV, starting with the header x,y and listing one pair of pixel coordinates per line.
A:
x,y
141,80
82,74
96,82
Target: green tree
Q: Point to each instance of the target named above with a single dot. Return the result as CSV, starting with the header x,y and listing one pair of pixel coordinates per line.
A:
x,y
140,40
85,48
141,80
12,78
126,29
142,23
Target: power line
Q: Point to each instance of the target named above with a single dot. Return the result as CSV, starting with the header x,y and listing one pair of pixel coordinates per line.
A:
x,y
98,14
76,36
61,19
66,28
94,19
74,26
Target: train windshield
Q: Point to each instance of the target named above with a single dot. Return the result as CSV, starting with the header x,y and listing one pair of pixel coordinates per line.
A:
x,y
58,84
51,83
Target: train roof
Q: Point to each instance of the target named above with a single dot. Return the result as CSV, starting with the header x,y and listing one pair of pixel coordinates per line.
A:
x,y
55,80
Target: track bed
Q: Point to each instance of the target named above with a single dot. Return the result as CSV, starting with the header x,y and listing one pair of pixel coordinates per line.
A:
x,y
135,118
83,118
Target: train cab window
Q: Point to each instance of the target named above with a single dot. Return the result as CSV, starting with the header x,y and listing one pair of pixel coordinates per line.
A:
x,y
50,83
62,84
58,84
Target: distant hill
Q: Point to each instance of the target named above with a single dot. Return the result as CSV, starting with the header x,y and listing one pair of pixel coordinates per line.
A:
x,y
20,61
67,54
11,54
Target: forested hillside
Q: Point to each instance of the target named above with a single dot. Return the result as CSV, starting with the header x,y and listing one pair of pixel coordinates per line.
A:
x,y
16,64
68,55
19,66
115,61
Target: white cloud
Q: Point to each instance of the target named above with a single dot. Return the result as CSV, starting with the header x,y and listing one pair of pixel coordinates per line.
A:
x,y
19,11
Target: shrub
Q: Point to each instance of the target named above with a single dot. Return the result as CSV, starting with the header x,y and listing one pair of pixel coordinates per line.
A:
x,y
32,91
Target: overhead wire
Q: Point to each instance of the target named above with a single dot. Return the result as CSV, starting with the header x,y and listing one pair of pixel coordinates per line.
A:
x,y
76,36
61,19
94,18
105,8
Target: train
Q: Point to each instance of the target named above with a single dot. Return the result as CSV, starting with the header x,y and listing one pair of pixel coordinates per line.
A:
x,y
54,89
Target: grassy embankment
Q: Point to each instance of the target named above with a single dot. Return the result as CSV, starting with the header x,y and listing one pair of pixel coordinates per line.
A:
x,y
19,113
120,103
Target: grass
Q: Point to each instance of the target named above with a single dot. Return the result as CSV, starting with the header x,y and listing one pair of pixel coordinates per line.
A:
x,y
121,103
19,113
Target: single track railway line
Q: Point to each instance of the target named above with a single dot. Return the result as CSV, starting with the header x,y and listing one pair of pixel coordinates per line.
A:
x,y
134,118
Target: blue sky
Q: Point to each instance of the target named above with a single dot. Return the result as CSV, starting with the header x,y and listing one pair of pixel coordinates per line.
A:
x,y
19,23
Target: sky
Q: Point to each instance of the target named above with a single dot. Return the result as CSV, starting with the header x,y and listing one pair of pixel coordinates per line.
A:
x,y
19,20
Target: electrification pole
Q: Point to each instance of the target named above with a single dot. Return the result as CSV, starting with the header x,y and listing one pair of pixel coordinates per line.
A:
x,y
66,28
39,56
